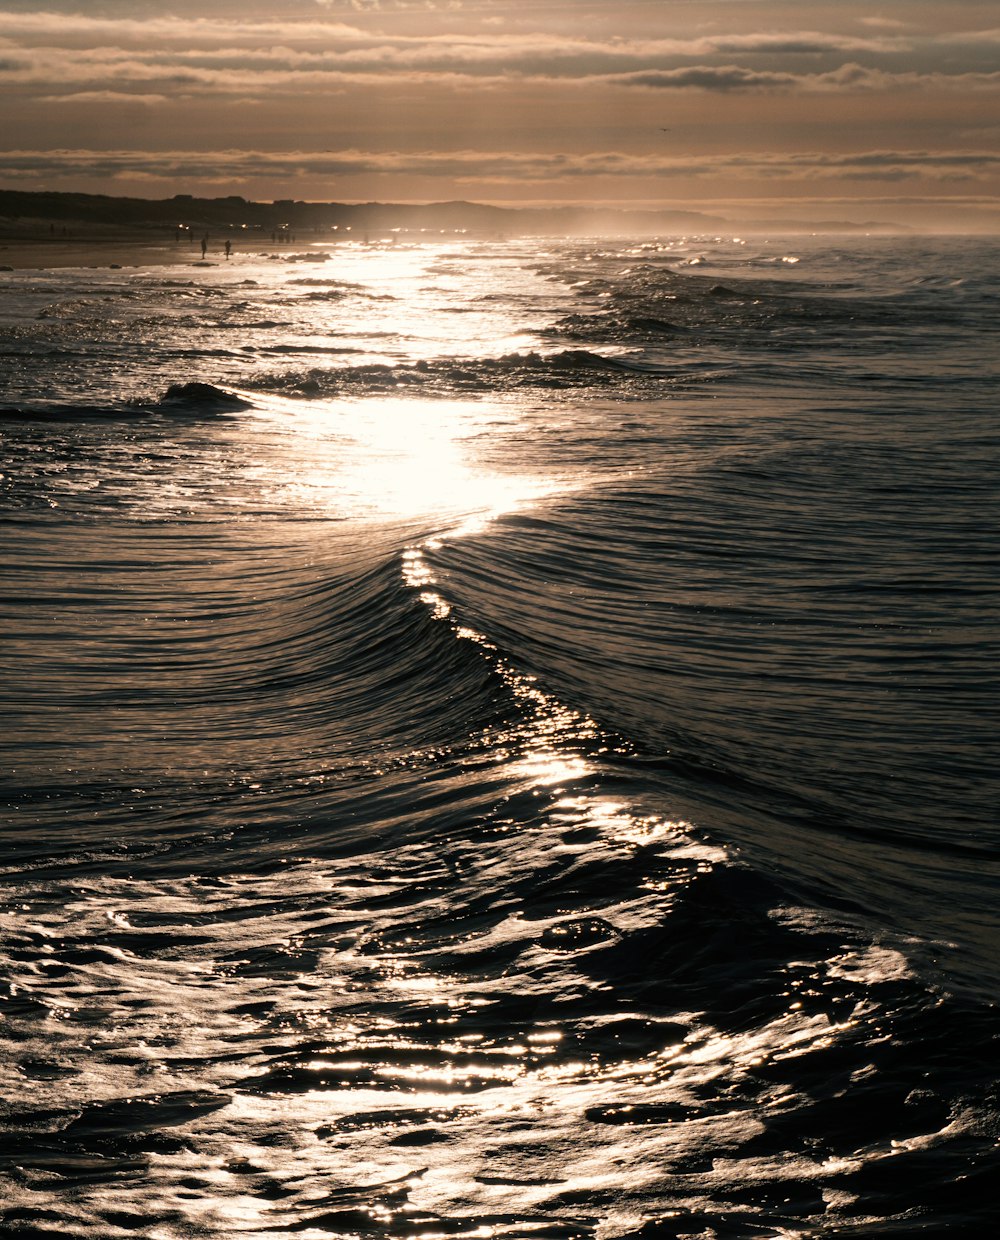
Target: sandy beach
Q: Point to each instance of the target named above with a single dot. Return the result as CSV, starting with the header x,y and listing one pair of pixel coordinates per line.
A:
x,y
35,255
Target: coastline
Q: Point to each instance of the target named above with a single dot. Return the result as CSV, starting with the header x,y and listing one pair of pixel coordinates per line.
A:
x,y
18,254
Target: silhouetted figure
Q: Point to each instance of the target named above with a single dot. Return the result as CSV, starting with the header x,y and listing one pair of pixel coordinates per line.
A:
x,y
229,248
204,245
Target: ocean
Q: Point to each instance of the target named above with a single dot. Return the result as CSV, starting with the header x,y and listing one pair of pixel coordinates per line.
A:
x,y
500,741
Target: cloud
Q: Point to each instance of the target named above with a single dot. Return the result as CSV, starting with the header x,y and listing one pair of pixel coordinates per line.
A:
x,y
722,79
281,69
800,43
56,44
492,167
79,56
62,29
848,78
105,96
973,37
336,38
883,23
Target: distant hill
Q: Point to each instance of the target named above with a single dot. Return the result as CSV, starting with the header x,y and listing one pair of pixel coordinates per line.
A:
x,y
101,212
41,213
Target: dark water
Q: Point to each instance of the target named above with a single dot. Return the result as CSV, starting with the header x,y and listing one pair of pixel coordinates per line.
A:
x,y
526,767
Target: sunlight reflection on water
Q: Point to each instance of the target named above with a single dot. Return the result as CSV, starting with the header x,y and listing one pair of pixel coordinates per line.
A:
x,y
418,301
390,457
390,980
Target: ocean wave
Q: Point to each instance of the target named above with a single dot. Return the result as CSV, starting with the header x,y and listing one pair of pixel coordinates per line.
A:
x,y
617,866
348,661
574,368
686,637
178,400
430,897
627,329
200,397
71,411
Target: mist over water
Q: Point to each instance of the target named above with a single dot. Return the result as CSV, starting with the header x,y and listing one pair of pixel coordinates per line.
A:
x,y
501,742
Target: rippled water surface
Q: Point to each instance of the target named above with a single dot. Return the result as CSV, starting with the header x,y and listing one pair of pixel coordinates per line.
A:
x,y
501,742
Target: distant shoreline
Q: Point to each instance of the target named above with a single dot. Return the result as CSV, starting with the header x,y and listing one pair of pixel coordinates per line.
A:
x,y
30,254
45,218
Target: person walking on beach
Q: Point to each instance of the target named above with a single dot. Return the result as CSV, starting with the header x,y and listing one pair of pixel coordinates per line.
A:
x,y
204,245
229,248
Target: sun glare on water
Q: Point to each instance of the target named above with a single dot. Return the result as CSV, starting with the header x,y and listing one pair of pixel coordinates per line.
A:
x,y
391,458
351,444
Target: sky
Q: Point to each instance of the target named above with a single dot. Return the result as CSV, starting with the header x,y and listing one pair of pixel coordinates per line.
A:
x,y
818,109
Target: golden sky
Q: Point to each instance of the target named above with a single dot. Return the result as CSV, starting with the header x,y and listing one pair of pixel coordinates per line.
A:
x,y
836,109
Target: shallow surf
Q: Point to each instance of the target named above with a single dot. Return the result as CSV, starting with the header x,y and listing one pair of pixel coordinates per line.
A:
x,y
513,753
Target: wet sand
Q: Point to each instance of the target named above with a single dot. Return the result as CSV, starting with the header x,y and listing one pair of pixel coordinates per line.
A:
x,y
27,255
